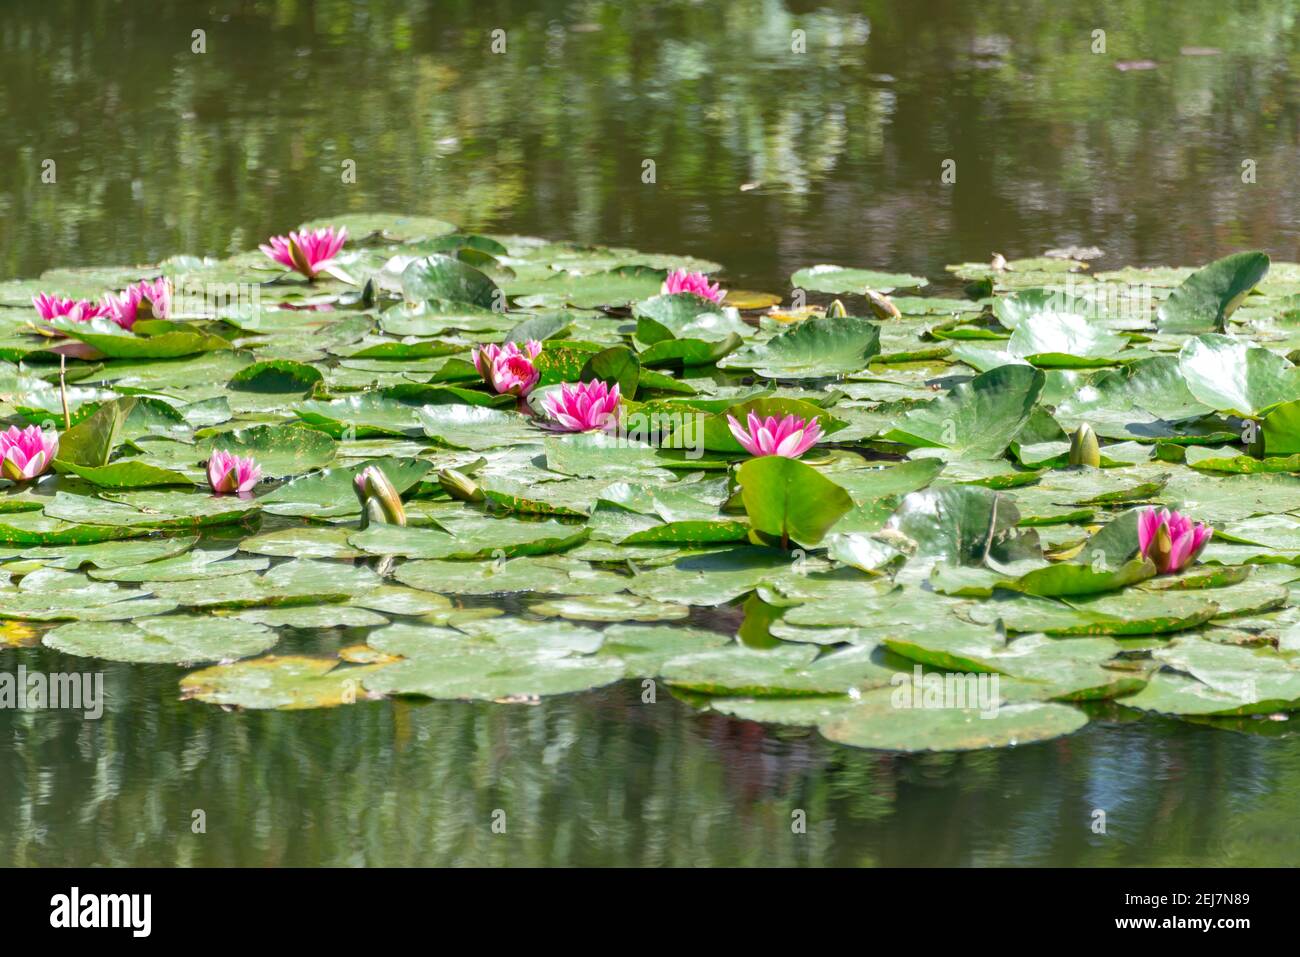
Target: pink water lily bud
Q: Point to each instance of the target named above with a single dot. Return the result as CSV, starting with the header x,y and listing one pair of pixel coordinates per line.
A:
x,y
1172,541
380,501
145,299
581,406
679,280
307,252
790,436
26,453
508,369
229,473
78,310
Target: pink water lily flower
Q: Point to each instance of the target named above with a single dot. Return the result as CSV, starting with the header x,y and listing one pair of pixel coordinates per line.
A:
x,y
124,308
26,453
509,369
1172,541
229,473
307,252
581,406
679,280
790,437
78,310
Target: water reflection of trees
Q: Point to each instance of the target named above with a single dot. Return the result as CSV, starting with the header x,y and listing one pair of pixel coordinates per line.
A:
x,y
604,779
162,150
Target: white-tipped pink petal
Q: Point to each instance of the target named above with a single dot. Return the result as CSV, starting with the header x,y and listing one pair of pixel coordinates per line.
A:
x,y
229,474
315,250
696,283
581,406
790,436
26,453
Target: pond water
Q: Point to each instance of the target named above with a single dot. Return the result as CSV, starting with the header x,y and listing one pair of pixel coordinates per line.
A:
x,y
765,160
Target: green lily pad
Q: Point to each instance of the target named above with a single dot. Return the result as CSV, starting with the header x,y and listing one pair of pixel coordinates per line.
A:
x,y
126,474
196,565
172,340
494,674
842,279
1209,296
303,542
1280,431
449,280
1133,402
111,554
280,450
790,501
644,649
816,348
331,492
303,581
977,419
312,617
90,443
490,538
787,670
171,639
1232,375
878,724
1131,612
617,364
276,377
965,525
615,607
1207,678
1063,341
660,319
485,578
616,287
285,683
360,416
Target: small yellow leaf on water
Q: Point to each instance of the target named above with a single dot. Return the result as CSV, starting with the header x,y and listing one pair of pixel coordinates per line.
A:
x,y
18,634
750,299
794,315
365,655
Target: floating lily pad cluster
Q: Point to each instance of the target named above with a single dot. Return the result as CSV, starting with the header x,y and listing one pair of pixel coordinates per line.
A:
x,y
944,523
